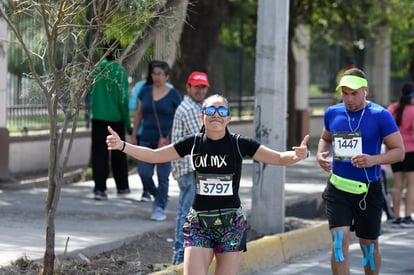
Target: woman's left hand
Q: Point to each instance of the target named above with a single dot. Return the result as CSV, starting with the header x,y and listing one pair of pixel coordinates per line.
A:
x,y
301,152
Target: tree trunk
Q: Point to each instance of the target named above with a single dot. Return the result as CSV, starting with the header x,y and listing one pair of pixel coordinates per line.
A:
x,y
199,39
292,119
53,187
49,257
133,53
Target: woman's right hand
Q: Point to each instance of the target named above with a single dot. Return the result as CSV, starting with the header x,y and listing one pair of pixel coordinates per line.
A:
x,y
113,141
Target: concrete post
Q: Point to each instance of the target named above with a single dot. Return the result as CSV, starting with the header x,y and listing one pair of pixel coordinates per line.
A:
x,y
4,133
268,201
378,67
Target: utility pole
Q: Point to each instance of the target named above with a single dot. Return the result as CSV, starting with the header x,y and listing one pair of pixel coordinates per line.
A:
x,y
271,85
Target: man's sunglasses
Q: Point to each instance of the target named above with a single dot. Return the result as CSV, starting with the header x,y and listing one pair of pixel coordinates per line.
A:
x,y
211,110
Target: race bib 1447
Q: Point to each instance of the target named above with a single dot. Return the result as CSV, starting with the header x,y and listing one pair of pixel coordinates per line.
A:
x,y
346,145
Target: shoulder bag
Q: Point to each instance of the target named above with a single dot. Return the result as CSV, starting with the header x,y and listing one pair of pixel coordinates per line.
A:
x,y
162,141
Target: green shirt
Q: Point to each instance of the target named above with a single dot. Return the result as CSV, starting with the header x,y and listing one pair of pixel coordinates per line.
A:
x,y
109,93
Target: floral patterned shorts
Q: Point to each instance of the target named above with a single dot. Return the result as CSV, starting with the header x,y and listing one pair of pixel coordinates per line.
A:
x,y
223,229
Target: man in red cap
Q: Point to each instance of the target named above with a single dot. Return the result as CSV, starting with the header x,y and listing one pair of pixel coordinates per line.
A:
x,y
187,122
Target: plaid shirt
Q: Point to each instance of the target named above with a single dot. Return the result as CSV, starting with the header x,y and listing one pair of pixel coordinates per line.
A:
x,y
187,122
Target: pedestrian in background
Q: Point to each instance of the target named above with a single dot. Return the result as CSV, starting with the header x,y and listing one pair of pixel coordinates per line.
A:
x,y
216,223
350,150
156,107
187,122
387,203
349,63
109,106
133,105
403,171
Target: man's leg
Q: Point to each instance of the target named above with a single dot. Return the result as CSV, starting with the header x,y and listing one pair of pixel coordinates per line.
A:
x,y
186,184
372,256
340,249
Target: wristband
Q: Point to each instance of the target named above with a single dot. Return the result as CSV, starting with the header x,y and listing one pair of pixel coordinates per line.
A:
x,y
123,147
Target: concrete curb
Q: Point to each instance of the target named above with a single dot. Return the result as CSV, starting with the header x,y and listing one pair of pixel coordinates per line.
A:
x,y
273,250
40,181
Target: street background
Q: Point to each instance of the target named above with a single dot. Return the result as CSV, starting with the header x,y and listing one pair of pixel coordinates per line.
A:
x,y
96,226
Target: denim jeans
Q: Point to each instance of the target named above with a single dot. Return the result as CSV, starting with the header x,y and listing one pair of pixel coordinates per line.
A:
x,y
146,172
186,183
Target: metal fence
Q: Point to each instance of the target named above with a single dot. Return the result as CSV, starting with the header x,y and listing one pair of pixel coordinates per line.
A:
x,y
35,116
241,106
25,117
26,107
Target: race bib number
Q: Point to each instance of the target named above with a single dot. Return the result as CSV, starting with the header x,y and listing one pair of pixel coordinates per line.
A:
x,y
347,145
214,185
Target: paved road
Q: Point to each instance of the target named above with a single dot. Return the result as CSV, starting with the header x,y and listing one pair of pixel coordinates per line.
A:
x,y
396,245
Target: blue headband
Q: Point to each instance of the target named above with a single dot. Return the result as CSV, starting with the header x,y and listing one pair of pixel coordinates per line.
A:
x,y
410,95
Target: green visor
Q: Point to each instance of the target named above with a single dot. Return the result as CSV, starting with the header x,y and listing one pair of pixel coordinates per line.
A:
x,y
353,82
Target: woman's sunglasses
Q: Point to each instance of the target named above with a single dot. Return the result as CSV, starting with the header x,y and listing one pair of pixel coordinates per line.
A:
x,y
211,110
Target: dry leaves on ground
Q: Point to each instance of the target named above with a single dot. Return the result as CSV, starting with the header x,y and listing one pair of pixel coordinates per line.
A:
x,y
151,252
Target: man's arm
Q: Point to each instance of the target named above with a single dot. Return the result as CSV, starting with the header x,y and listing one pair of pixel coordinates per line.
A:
x,y
395,152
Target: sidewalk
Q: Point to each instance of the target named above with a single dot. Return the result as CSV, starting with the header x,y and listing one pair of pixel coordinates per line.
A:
x,y
95,226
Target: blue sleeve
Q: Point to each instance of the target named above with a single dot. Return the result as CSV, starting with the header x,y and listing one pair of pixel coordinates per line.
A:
x,y
133,97
326,119
169,85
388,124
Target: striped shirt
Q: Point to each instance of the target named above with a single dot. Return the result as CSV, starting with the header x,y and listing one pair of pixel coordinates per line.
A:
x,y
187,122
